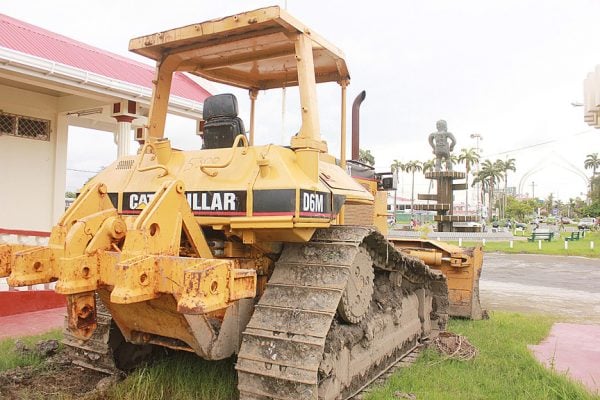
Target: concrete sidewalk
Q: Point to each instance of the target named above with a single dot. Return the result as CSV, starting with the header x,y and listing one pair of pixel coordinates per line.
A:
x,y
573,349
32,323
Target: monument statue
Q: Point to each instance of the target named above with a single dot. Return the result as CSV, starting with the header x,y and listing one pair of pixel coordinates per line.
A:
x,y
439,142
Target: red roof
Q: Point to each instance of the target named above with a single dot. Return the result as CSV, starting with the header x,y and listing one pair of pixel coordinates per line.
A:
x,y
26,38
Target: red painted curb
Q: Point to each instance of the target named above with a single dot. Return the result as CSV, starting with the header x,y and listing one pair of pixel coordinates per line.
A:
x,y
23,232
19,302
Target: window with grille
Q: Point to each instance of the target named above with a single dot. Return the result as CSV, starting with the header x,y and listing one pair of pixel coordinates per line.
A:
x,y
22,126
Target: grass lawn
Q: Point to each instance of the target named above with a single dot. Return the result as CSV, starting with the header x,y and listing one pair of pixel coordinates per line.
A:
x,y
504,368
579,247
182,376
9,359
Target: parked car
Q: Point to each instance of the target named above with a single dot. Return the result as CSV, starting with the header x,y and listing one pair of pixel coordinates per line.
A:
x,y
566,220
586,223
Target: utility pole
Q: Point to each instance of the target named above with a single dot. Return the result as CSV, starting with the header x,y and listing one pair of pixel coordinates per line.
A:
x,y
477,138
533,189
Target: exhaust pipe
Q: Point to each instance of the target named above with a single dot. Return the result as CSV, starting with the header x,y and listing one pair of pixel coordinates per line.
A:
x,y
355,124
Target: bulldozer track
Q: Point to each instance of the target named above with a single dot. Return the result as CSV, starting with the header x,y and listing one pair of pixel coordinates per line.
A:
x,y
295,348
96,352
106,350
296,342
403,362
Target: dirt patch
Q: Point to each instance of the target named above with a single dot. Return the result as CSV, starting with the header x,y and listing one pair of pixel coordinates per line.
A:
x,y
55,378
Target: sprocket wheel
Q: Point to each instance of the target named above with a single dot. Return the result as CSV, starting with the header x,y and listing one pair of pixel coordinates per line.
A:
x,y
357,295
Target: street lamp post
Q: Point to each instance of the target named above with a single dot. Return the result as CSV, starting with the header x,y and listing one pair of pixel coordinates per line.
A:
x,y
477,138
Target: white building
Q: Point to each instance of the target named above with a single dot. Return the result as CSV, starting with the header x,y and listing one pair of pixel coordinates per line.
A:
x,y
48,83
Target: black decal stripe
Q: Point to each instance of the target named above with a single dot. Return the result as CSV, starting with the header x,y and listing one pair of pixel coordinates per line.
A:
x,y
338,202
114,199
274,201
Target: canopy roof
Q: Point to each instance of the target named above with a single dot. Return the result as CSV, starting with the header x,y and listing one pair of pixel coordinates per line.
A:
x,y
33,40
252,50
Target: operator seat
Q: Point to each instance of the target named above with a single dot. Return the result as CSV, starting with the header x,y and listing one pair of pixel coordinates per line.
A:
x,y
222,123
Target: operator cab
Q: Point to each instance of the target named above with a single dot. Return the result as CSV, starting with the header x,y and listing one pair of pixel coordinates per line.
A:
x,y
222,124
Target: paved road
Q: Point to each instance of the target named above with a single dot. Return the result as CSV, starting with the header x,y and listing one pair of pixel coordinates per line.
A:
x,y
567,286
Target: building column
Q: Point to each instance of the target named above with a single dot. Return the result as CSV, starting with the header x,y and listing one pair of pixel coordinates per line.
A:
x,y
124,112
60,167
122,138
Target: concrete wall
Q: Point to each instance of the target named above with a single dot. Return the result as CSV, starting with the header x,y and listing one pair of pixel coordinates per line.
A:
x,y
32,182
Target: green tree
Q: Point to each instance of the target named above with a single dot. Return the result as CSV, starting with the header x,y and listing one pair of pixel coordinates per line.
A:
x,y
396,167
428,166
562,207
592,162
484,186
70,195
518,210
595,192
489,175
593,210
453,159
579,207
505,166
549,204
412,167
570,207
469,157
365,156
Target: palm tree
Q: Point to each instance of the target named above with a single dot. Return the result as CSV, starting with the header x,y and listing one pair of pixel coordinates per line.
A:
x,y
396,167
490,174
549,203
570,207
453,159
505,166
561,207
469,157
413,166
429,165
481,179
592,162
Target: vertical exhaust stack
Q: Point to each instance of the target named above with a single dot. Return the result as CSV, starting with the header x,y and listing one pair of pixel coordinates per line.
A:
x,y
356,124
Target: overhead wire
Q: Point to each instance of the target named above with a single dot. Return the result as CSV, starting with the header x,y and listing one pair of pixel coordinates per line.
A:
x,y
540,143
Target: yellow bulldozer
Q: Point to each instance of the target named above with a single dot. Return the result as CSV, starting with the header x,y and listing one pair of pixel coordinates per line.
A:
x,y
273,253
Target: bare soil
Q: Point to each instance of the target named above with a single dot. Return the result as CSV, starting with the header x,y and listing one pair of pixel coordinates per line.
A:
x,y
55,378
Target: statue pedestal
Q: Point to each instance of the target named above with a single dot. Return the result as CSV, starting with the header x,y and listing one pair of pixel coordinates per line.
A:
x,y
444,199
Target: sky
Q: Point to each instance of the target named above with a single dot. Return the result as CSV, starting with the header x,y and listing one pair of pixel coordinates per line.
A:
x,y
507,70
